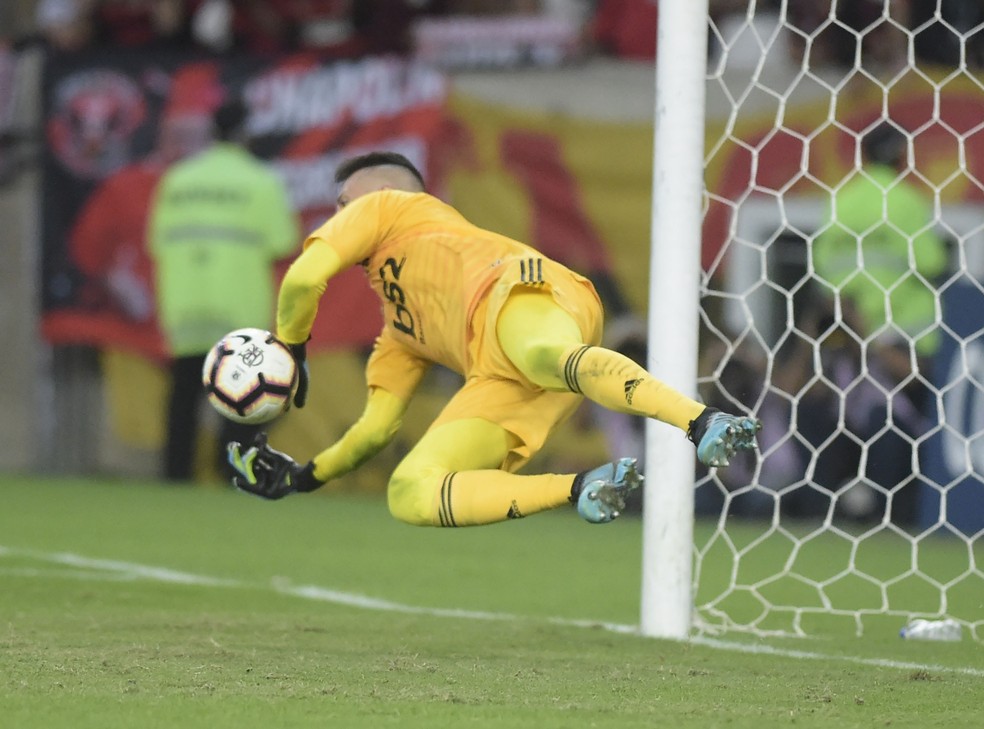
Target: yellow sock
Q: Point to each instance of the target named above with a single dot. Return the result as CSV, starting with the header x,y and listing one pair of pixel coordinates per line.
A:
x,y
470,498
450,479
618,383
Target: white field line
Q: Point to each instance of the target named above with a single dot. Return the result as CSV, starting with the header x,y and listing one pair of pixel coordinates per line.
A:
x,y
87,568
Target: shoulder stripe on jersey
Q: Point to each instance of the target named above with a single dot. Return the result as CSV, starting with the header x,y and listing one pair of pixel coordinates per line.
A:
x,y
531,271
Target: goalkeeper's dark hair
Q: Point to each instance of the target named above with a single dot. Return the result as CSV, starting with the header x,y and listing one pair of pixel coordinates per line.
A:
x,y
377,159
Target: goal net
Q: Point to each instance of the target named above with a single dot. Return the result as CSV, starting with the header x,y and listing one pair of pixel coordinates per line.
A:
x,y
842,304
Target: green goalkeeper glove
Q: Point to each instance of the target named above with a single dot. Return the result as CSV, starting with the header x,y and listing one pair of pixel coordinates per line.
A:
x,y
267,473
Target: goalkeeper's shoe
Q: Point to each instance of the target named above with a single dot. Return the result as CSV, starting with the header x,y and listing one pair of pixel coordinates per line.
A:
x,y
603,490
718,436
267,473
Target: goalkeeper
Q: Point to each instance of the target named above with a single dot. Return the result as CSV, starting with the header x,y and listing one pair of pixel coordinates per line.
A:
x,y
522,330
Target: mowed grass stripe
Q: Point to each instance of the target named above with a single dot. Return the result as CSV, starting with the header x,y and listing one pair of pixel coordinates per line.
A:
x,y
115,570
156,652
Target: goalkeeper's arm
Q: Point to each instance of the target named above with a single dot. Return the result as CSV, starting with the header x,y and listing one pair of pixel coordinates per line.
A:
x,y
301,290
375,428
271,474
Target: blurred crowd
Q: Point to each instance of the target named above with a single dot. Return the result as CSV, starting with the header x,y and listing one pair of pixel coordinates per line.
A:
x,y
874,34
824,33
332,28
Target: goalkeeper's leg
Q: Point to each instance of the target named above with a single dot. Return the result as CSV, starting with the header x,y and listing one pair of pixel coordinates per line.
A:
x,y
451,478
545,343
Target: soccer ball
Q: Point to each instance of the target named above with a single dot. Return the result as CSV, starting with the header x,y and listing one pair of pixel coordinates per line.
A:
x,y
250,376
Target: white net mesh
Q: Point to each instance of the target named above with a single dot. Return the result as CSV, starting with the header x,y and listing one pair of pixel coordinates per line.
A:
x,y
843,305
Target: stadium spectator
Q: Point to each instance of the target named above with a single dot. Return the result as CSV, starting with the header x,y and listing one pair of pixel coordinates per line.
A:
x,y
878,258
869,34
492,7
386,25
219,222
881,31
145,24
523,331
325,27
950,31
65,26
801,419
108,237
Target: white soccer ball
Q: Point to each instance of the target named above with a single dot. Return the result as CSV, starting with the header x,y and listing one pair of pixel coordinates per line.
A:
x,y
250,376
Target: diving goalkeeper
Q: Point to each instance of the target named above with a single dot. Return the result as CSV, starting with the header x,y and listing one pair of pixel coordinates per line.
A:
x,y
522,329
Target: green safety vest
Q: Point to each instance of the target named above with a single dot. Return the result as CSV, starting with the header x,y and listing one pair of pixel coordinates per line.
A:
x,y
218,223
881,252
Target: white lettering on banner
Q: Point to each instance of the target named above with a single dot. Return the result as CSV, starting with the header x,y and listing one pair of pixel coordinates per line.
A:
x,y
311,181
497,42
963,406
289,101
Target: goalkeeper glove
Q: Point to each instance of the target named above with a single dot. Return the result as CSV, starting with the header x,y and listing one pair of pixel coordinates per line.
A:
x,y
718,436
299,352
269,474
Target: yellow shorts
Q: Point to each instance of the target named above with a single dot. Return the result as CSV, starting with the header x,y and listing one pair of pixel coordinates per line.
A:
x,y
494,389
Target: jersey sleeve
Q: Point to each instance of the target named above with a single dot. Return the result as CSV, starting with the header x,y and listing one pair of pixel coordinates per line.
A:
x,y
394,368
356,230
301,291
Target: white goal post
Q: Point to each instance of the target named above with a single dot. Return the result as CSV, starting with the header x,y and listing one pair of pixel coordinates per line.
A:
x,y
864,507
673,322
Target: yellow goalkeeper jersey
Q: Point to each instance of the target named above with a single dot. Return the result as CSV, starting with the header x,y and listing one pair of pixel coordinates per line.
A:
x,y
429,266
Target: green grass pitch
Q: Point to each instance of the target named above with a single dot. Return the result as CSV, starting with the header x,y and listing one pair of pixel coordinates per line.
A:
x,y
142,605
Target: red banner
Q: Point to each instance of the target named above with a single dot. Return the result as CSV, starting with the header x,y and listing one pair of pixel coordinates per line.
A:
x,y
115,122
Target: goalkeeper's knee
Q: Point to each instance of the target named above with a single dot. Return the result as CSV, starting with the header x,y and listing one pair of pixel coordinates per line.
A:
x,y
411,498
541,363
